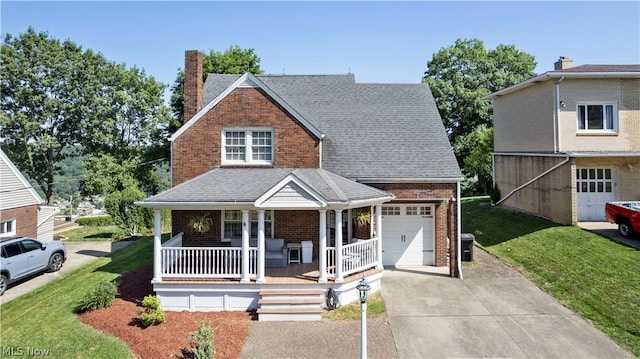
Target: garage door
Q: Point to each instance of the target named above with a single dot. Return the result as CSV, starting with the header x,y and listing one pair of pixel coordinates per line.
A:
x,y
408,235
595,187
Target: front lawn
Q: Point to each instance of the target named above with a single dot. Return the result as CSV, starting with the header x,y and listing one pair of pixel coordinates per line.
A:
x,y
45,319
90,233
591,275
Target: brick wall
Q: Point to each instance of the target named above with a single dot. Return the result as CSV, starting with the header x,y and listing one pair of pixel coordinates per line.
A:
x,y
199,149
297,226
191,238
26,220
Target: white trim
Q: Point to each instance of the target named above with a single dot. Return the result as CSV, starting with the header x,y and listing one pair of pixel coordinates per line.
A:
x,y
602,104
3,224
20,177
291,178
247,80
408,180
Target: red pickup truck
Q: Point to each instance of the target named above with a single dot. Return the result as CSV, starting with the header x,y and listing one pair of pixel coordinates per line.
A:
x,y
626,215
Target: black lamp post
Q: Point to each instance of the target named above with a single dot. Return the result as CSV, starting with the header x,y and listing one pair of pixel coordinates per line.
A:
x,y
363,292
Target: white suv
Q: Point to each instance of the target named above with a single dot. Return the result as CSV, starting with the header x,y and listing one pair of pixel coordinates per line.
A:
x,y
23,256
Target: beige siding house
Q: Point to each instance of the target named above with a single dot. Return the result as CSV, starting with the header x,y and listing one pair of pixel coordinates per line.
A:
x,y
568,141
22,212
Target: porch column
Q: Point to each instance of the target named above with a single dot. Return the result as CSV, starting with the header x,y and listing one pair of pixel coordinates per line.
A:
x,y
157,246
379,234
339,278
349,226
371,229
245,247
260,246
323,247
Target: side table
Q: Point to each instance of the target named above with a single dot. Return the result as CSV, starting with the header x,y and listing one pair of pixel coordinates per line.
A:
x,y
295,252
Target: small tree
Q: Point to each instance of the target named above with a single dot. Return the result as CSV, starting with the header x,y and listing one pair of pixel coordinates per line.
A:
x,y
122,208
202,342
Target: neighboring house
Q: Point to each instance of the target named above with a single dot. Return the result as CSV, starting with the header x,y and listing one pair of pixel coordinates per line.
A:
x,y
568,141
271,165
22,212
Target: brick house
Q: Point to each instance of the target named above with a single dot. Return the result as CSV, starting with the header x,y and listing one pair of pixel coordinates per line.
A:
x,y
568,141
22,210
294,159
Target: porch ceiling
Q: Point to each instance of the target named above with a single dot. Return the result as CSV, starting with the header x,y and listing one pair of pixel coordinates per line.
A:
x,y
281,188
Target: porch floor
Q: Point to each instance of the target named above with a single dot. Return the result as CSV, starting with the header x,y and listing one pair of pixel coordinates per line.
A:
x,y
294,273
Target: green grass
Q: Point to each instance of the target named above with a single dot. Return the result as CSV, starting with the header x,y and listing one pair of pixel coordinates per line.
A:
x,y
375,306
46,319
90,233
591,275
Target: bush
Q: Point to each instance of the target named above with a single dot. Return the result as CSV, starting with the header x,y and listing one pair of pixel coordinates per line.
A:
x,y
495,194
202,342
100,296
98,221
125,213
152,313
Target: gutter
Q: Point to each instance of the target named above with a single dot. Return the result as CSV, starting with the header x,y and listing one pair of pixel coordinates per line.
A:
x,y
459,220
567,158
556,125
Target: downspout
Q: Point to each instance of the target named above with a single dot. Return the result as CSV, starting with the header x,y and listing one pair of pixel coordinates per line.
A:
x,y
322,136
459,230
556,137
567,158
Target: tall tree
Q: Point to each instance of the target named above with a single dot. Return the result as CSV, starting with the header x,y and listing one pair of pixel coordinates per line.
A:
x,y
55,95
460,76
234,60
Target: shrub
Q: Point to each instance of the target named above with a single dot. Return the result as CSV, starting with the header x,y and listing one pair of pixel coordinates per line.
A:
x,y
95,221
495,194
202,342
99,296
152,313
125,213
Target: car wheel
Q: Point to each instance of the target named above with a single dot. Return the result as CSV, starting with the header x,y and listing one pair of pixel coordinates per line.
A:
x,y
55,262
4,282
625,229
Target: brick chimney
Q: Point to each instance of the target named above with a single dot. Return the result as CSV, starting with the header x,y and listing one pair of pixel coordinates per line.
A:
x,y
563,63
192,83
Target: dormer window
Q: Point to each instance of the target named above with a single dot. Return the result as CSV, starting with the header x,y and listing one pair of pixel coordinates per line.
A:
x,y
597,117
247,146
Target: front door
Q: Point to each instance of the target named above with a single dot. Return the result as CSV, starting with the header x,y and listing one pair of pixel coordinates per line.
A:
x,y
408,234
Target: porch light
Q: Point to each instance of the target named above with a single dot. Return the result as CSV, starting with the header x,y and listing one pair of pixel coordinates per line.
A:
x,y
363,290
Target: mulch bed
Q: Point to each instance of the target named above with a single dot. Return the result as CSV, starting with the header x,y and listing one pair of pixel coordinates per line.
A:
x,y
169,339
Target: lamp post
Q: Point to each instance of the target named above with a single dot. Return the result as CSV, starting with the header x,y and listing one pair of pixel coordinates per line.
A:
x,y
363,291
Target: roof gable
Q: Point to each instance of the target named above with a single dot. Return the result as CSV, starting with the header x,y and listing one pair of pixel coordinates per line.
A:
x,y
291,192
16,190
247,80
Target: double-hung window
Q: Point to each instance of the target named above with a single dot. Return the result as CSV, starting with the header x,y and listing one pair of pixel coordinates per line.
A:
x,y
597,117
8,228
247,146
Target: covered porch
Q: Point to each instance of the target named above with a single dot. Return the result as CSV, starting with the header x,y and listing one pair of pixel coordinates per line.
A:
x,y
256,222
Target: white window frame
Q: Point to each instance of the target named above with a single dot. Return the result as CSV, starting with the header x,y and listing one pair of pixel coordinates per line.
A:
x,y
8,223
614,128
253,218
248,146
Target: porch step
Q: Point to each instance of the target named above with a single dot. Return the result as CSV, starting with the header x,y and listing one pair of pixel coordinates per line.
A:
x,y
290,305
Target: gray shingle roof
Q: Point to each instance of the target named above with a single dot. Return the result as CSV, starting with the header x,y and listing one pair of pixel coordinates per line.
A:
x,y
248,184
602,68
373,131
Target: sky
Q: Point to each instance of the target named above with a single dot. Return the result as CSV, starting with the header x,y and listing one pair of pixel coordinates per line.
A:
x,y
380,42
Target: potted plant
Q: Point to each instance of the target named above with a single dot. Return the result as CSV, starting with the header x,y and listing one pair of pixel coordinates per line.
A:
x,y
361,218
201,223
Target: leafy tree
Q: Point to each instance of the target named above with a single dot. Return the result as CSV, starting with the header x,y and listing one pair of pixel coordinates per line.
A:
x,y
234,60
121,206
478,163
56,96
460,76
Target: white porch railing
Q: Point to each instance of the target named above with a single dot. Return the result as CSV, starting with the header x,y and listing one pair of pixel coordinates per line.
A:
x,y
355,257
206,262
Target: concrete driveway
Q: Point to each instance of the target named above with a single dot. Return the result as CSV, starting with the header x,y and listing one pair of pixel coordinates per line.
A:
x,y
78,254
493,312
610,230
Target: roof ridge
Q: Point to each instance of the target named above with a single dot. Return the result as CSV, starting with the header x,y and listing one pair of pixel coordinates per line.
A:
x,y
331,183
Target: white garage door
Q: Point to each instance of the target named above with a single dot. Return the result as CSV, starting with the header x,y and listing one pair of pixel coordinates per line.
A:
x,y
595,187
408,234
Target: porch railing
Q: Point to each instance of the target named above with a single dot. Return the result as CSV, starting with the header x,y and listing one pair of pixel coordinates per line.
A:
x,y
206,262
355,257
